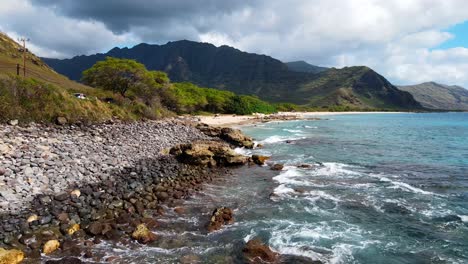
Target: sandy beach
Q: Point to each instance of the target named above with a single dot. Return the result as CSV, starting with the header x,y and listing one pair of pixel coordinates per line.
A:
x,y
234,120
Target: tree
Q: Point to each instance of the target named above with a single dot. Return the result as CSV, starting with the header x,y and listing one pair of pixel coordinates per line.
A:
x,y
120,75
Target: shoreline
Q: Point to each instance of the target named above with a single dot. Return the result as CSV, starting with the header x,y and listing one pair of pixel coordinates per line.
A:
x,y
69,184
242,120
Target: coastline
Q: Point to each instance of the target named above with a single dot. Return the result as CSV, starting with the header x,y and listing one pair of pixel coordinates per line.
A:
x,y
236,120
69,184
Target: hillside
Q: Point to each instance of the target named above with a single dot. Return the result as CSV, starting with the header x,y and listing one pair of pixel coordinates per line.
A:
x,y
302,66
45,95
227,68
439,96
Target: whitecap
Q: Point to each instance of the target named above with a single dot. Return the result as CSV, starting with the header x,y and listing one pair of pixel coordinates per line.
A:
x,y
464,218
335,169
277,139
293,130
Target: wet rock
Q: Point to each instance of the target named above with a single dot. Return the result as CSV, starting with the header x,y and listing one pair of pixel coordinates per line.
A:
x,y
66,260
98,228
50,246
12,256
179,210
143,235
257,252
259,159
220,217
190,259
277,167
394,208
305,166
2,171
298,260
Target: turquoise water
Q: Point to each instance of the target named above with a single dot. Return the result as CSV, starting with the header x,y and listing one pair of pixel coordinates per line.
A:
x,y
390,188
383,188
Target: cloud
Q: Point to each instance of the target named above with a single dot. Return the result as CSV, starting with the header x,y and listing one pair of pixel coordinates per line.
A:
x,y
398,38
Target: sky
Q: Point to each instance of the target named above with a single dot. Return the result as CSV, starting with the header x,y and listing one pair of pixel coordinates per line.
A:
x,y
407,41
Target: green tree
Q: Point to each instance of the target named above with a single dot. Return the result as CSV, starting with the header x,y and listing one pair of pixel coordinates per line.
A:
x,y
120,75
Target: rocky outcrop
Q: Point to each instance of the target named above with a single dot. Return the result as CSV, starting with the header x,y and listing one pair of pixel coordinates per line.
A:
x,y
220,217
257,252
12,256
230,135
259,159
277,167
207,153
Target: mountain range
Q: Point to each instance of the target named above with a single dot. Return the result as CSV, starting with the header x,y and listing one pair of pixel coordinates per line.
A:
x,y
270,79
439,96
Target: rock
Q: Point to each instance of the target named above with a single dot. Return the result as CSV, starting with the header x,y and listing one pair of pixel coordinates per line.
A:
x,y
95,228
61,121
73,229
13,122
259,159
163,196
277,167
63,217
221,216
50,246
75,193
12,256
190,259
143,235
257,252
236,137
305,166
179,210
66,260
61,196
207,153
32,218
2,171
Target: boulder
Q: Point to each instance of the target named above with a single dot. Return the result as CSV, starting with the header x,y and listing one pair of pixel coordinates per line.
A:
x,y
236,137
13,122
259,159
61,121
50,246
12,256
143,235
98,228
207,153
221,216
257,252
277,167
230,135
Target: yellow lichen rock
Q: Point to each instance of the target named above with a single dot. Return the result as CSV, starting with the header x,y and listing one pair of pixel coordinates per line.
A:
x,y
143,234
73,229
32,218
11,256
50,246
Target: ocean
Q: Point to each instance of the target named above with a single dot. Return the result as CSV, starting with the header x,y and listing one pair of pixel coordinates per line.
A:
x,y
382,188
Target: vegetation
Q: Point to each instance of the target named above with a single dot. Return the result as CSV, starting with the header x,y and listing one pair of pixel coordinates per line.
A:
x,y
190,99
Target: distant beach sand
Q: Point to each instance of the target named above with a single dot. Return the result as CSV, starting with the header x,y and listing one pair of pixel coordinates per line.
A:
x,y
234,120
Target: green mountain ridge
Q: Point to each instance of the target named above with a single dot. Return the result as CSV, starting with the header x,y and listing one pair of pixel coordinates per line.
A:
x,y
439,96
227,68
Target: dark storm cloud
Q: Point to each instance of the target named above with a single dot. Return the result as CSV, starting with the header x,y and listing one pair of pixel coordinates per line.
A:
x,y
121,15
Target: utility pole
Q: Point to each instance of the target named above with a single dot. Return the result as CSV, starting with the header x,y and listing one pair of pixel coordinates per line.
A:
x,y
24,54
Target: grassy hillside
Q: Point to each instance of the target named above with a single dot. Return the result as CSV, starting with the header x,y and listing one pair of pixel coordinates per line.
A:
x,y
45,95
439,96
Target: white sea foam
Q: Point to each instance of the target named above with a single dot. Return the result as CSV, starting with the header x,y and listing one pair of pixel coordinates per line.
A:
x,y
335,169
277,139
293,130
282,189
464,218
407,187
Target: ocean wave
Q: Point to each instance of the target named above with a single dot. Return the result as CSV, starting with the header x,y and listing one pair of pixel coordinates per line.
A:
x,y
406,187
293,130
335,169
277,139
464,218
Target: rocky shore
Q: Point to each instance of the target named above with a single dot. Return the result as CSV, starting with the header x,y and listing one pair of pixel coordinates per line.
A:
x,y
63,189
